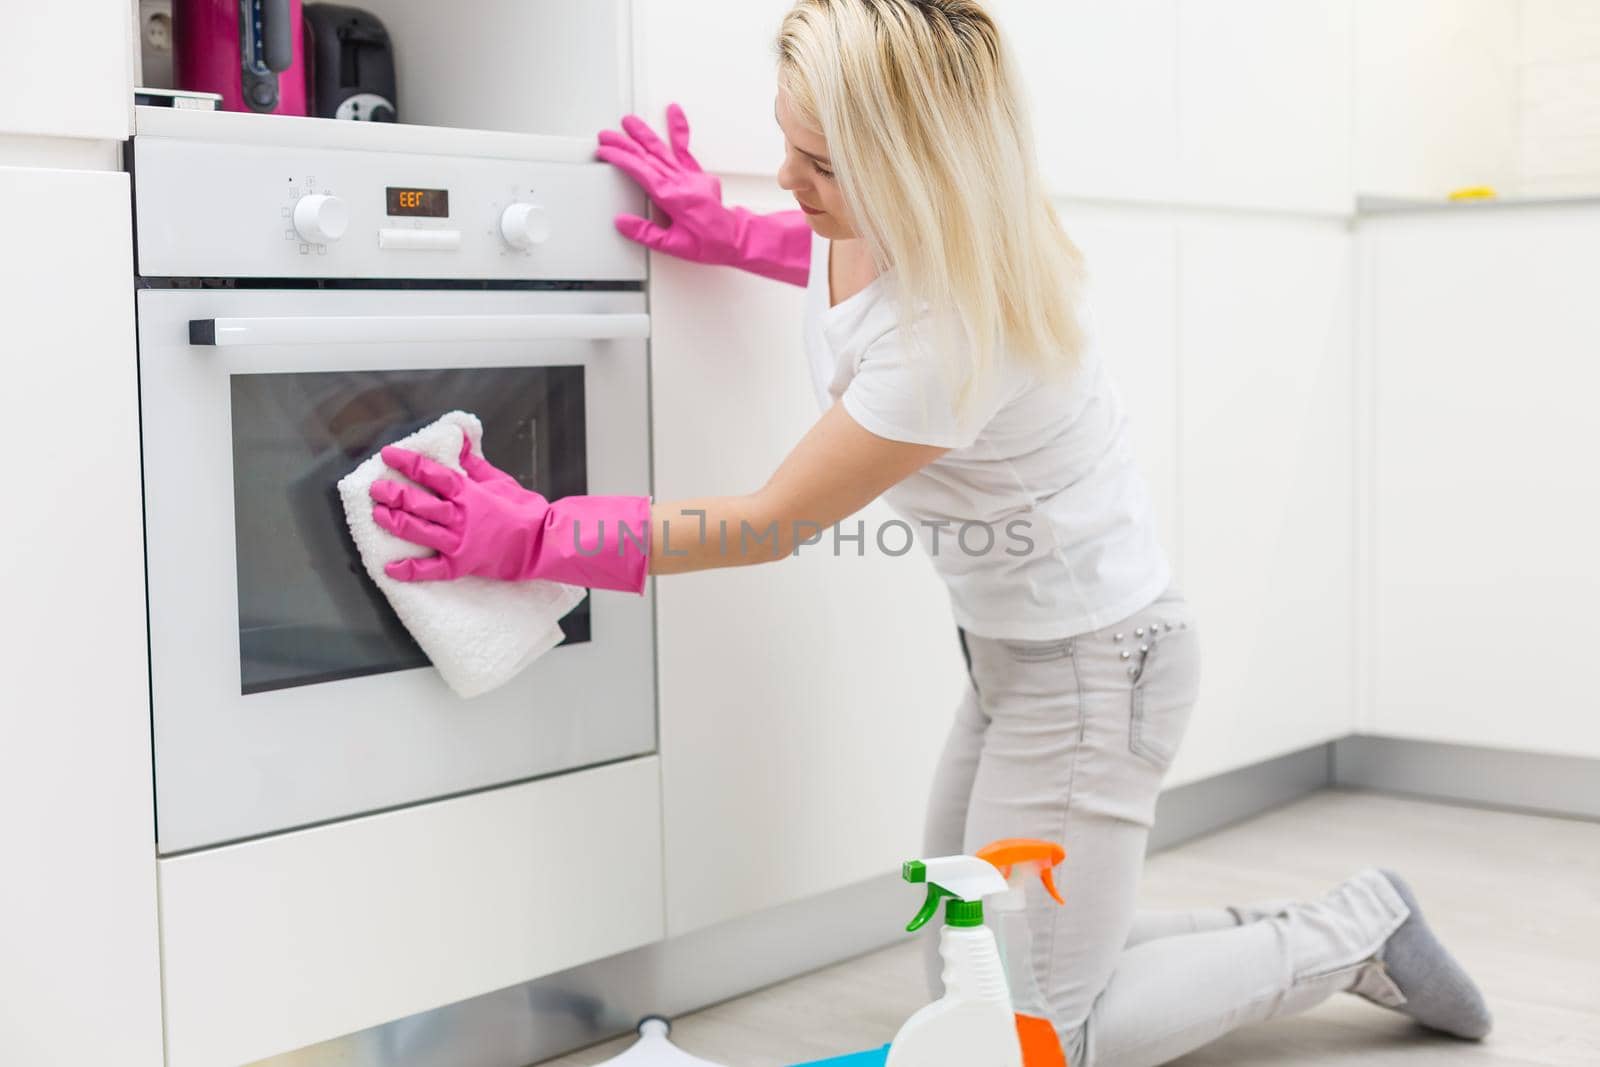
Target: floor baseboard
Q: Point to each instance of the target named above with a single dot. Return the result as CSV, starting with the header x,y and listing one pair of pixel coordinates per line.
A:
x,y
1489,777
1188,811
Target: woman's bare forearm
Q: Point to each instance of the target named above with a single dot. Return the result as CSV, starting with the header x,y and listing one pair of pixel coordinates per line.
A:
x,y
835,470
718,531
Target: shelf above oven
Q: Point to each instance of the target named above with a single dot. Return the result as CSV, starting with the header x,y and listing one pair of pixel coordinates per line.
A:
x,y
282,131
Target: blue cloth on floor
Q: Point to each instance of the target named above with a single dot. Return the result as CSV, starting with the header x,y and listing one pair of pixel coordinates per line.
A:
x,y
871,1058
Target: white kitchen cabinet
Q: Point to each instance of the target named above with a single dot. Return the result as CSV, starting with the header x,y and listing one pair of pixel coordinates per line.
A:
x,y
1485,329
1264,104
81,974
275,944
715,58
1133,303
1238,102
66,70
1101,80
1436,84
1266,475
803,702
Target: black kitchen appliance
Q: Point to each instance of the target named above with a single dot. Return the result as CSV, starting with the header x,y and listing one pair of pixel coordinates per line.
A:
x,y
352,65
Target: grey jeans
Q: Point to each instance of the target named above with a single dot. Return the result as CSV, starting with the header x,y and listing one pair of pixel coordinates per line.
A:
x,y
1069,741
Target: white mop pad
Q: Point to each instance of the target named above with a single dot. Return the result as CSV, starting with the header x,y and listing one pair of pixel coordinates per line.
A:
x,y
479,632
654,1050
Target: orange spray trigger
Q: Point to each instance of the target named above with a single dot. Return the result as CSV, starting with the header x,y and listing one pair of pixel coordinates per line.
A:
x,y
1043,856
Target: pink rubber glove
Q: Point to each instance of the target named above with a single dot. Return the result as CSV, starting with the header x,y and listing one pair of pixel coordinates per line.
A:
x,y
702,229
485,523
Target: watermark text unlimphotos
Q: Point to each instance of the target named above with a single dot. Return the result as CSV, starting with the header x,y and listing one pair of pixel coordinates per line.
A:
x,y
893,538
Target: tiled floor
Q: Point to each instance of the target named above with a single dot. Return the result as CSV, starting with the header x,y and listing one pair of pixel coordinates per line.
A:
x,y
1516,897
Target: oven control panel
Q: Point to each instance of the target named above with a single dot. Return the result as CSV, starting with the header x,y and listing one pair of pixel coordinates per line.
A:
x,y
206,209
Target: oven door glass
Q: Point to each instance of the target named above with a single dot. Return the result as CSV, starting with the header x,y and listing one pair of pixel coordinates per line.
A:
x,y
308,611
284,693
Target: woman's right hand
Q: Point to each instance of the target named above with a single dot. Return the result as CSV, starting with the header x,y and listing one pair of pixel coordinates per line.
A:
x,y
700,227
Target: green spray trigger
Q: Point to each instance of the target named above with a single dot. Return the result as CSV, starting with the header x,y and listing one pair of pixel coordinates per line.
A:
x,y
916,872
964,879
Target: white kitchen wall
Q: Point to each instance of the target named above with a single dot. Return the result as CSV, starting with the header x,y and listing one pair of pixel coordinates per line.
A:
x,y
1484,330
489,64
1558,97
1458,93
1436,101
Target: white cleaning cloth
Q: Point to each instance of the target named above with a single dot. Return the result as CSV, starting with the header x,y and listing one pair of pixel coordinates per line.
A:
x,y
479,632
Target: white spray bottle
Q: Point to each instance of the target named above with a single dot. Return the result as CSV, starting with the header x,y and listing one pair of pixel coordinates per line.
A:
x,y
654,1050
972,1025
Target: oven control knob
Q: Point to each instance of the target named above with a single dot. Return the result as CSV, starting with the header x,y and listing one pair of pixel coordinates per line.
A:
x,y
321,219
524,225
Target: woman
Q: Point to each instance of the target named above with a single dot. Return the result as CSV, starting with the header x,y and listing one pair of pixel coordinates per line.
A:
x,y
944,333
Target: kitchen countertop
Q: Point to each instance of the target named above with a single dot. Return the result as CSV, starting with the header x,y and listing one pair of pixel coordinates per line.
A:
x,y
1367,206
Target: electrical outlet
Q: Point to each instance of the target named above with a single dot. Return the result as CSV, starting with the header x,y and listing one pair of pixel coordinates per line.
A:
x,y
155,44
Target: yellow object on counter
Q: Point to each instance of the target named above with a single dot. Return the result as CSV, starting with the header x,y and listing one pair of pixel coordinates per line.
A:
x,y
1473,192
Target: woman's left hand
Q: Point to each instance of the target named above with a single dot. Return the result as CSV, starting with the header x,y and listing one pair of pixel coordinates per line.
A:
x,y
484,523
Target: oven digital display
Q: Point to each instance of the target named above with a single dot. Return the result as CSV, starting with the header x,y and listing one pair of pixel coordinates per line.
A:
x,y
427,203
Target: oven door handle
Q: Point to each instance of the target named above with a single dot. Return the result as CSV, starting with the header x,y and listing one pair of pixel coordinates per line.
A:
x,y
402,329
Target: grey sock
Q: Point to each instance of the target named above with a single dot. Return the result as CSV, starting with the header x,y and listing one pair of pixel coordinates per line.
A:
x,y
1438,992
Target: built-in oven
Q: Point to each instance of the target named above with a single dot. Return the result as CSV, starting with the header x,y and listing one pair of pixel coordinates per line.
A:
x,y
279,347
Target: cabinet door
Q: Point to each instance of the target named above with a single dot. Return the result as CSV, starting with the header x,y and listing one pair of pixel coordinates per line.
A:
x,y
1266,359
294,939
65,70
1133,303
803,702
1485,331
715,58
81,980
1264,103
1101,80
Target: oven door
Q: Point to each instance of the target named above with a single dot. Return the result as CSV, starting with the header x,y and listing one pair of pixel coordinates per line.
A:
x,y
284,690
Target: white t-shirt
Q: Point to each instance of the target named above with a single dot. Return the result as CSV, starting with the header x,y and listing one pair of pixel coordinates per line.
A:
x,y
1037,518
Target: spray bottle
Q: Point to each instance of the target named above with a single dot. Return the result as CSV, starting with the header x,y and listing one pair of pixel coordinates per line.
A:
x,y
972,1025
1021,860
654,1050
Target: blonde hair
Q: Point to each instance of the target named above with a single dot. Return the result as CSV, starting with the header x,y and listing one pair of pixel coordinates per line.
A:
x,y
930,141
